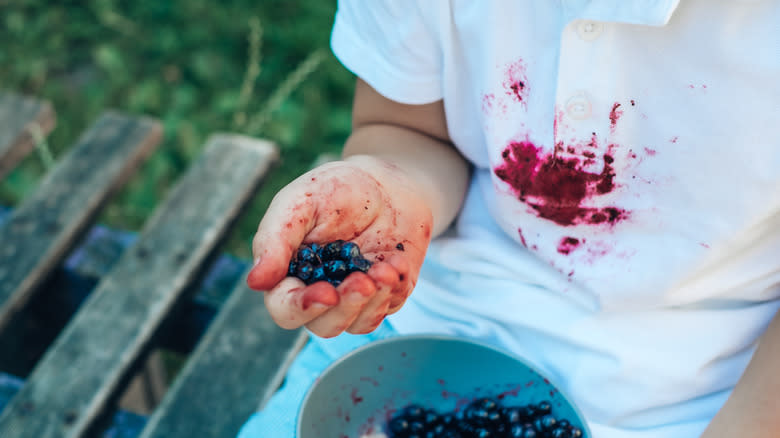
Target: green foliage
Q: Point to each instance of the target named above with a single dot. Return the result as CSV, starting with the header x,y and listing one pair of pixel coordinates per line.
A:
x,y
260,68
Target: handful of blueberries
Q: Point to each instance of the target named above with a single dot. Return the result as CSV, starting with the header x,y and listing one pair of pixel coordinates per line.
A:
x,y
482,418
331,262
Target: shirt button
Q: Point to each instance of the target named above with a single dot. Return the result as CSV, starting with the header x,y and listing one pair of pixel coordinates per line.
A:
x,y
589,30
579,107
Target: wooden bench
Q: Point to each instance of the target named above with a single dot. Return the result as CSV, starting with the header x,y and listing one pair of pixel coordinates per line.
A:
x,y
21,118
72,389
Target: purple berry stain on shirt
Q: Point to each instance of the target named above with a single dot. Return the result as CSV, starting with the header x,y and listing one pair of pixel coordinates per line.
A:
x,y
522,237
568,244
614,116
556,188
515,81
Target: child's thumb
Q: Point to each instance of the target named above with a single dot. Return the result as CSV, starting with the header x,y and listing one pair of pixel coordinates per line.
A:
x,y
278,237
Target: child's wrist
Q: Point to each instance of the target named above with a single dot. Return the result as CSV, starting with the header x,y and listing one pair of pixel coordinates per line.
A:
x,y
397,182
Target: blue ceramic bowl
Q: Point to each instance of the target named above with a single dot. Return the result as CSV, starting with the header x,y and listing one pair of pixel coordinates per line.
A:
x,y
355,396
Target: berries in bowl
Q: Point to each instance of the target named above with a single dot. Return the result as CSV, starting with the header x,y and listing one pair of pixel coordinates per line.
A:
x,y
435,386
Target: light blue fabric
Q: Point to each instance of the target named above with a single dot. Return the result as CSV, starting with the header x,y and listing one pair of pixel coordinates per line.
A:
x,y
277,419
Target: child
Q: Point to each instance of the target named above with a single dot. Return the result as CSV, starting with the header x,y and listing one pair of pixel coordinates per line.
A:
x,y
600,180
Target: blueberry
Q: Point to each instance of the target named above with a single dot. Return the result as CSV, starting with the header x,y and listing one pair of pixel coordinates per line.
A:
x,y
349,250
304,270
318,274
564,423
466,428
412,412
416,427
484,412
398,427
528,412
476,415
317,248
487,403
548,422
544,423
336,269
331,250
521,431
559,432
435,430
358,264
499,429
292,268
305,254
431,418
575,432
512,415
482,432
447,419
544,407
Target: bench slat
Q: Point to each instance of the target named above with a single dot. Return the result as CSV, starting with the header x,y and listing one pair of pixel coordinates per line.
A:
x,y
39,232
239,363
16,114
95,353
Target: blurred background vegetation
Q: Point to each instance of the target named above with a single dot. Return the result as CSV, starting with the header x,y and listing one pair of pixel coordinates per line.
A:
x,y
259,67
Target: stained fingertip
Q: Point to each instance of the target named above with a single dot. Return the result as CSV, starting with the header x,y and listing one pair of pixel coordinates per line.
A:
x,y
399,295
256,279
363,328
293,322
400,263
383,273
357,282
266,274
323,333
320,293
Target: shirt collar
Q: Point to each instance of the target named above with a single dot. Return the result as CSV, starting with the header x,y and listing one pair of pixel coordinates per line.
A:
x,y
644,12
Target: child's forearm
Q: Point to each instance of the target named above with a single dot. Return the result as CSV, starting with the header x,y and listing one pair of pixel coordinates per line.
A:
x,y
413,139
753,409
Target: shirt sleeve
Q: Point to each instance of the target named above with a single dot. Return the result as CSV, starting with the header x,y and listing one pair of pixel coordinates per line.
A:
x,y
390,45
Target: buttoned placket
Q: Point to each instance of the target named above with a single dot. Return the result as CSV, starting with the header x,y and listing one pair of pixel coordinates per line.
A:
x,y
580,131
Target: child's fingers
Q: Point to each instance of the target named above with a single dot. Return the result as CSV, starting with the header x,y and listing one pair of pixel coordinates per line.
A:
x,y
291,304
387,279
373,312
356,290
278,236
395,272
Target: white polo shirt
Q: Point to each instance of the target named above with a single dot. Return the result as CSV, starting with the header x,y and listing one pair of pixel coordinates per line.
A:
x,y
622,228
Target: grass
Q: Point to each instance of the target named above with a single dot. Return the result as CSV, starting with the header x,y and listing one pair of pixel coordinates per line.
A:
x,y
260,68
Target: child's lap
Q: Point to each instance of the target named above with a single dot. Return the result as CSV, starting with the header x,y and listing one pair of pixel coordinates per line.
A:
x,y
277,418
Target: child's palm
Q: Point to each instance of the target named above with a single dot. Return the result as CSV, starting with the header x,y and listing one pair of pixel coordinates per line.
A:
x,y
341,201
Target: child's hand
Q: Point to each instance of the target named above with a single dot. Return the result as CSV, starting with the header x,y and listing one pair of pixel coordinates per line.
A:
x,y
364,200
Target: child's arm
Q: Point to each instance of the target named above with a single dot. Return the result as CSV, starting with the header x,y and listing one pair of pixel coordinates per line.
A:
x,y
400,183
414,138
753,409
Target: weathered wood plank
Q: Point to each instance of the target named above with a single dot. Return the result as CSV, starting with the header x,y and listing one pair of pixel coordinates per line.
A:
x,y
40,231
112,330
239,363
18,116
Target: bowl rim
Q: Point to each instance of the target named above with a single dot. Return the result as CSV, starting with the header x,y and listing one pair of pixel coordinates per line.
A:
x,y
433,337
